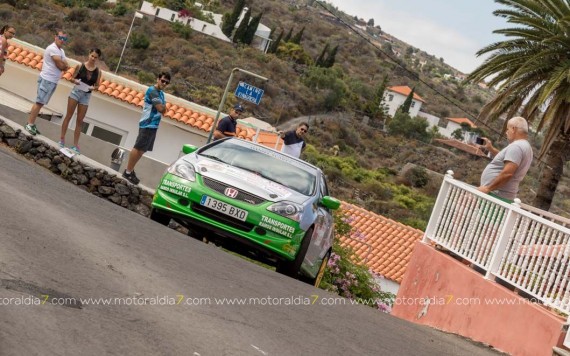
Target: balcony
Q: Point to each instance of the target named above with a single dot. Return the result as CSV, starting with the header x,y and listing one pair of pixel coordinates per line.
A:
x,y
500,252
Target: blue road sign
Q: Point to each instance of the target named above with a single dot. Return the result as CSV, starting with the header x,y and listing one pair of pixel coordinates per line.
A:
x,y
249,92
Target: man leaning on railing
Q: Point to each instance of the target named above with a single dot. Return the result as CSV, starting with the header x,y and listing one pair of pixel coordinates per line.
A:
x,y
503,174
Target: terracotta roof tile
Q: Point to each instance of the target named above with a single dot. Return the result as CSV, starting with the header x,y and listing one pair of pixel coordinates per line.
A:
x,y
406,90
383,244
462,120
135,97
471,149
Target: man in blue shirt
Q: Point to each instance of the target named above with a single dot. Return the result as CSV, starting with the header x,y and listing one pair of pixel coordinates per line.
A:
x,y
154,107
227,125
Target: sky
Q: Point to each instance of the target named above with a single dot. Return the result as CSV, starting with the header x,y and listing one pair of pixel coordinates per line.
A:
x,y
452,29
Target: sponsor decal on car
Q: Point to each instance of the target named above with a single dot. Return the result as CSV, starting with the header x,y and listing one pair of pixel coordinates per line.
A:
x,y
277,226
175,188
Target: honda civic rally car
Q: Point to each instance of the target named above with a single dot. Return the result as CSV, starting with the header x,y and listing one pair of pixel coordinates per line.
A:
x,y
240,193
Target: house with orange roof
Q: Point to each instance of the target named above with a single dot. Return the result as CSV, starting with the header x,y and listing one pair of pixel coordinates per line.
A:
x,y
395,96
448,126
384,245
115,108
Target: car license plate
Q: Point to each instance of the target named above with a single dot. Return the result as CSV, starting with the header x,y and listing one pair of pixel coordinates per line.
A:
x,y
223,208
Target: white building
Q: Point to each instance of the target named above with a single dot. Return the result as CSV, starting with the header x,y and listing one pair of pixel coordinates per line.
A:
x,y
261,40
206,28
431,119
451,124
394,97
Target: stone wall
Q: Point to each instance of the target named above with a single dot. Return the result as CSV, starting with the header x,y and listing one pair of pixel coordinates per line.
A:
x,y
99,182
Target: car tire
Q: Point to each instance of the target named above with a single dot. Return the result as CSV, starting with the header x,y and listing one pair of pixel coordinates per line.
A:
x,y
292,268
319,277
160,218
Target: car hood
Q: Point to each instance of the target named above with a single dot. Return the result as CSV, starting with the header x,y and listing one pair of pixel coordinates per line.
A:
x,y
245,180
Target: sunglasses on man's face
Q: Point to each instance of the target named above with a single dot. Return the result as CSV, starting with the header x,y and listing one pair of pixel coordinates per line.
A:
x,y
303,130
62,38
165,81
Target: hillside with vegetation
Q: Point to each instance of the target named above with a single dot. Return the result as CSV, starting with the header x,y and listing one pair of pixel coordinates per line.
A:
x,y
325,69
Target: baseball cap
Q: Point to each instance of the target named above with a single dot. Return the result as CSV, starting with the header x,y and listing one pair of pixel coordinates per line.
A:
x,y
238,107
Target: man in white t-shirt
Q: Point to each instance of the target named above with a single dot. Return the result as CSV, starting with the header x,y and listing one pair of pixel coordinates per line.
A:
x,y
54,63
509,166
293,141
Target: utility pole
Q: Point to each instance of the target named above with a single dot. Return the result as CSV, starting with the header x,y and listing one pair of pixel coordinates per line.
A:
x,y
140,16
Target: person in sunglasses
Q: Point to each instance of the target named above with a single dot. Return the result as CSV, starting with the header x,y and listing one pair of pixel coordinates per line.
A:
x,y
54,63
293,140
154,107
7,32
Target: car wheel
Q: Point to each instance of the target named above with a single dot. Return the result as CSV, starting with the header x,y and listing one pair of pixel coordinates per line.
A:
x,y
292,268
317,280
160,218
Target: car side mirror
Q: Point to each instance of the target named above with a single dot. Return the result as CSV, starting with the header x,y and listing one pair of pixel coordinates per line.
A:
x,y
189,148
330,202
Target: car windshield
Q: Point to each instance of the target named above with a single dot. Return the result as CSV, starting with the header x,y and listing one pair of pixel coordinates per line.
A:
x,y
267,163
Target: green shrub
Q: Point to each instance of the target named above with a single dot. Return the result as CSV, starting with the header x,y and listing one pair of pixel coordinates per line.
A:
x,y
181,29
417,177
119,10
139,41
146,77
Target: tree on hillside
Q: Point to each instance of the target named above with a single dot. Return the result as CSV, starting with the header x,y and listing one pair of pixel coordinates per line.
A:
x,y
530,69
404,125
298,36
242,28
320,61
371,23
251,29
275,44
331,58
376,108
405,107
288,36
458,134
230,19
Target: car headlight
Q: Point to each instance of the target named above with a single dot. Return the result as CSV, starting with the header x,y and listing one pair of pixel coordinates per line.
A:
x,y
183,169
287,209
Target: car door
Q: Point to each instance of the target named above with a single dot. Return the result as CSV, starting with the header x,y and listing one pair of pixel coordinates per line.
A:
x,y
322,235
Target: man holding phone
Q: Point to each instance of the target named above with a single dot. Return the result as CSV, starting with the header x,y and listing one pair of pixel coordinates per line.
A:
x,y
509,166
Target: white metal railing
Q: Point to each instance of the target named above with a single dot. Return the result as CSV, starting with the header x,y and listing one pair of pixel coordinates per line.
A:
x,y
516,245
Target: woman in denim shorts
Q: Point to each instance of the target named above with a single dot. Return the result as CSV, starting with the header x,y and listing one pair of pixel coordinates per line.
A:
x,y
86,77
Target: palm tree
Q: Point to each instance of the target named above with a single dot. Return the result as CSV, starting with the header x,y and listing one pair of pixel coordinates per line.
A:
x,y
531,69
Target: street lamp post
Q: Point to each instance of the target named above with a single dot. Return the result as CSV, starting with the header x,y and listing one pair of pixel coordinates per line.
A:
x,y
139,15
224,97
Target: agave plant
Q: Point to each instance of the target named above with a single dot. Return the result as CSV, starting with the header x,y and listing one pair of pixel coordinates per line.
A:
x,y
531,70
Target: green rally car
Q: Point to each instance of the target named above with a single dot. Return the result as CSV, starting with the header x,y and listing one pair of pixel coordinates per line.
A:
x,y
247,196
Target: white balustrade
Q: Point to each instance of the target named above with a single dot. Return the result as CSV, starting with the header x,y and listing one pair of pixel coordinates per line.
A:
x,y
525,247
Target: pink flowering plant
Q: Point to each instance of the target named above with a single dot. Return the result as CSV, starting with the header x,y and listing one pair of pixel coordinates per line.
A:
x,y
348,276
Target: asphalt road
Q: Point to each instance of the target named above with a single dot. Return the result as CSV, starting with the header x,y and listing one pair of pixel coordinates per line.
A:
x,y
59,244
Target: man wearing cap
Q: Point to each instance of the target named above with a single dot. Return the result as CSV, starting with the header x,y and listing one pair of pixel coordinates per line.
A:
x,y
227,125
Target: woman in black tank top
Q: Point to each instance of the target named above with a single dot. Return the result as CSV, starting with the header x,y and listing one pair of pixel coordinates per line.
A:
x,y
86,77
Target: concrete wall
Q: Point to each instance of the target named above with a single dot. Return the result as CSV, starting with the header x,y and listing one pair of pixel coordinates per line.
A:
x,y
441,292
